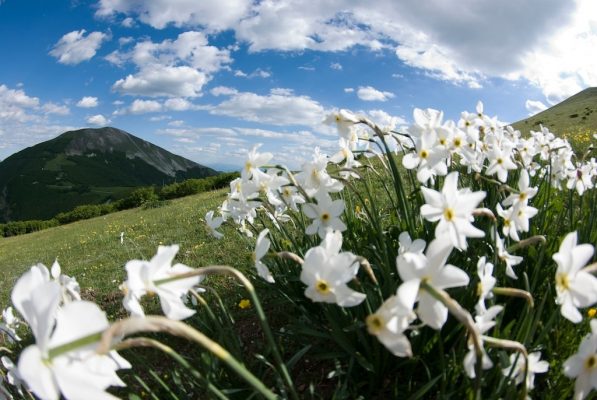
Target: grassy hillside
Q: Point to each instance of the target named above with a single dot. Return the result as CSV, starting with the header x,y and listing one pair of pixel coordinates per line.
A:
x,y
91,251
574,118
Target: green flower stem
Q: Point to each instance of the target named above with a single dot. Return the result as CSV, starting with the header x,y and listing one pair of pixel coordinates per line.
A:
x,y
177,328
74,345
399,187
513,292
224,269
147,342
516,346
467,320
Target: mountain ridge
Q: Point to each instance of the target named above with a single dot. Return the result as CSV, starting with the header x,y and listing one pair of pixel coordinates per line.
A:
x,y
85,166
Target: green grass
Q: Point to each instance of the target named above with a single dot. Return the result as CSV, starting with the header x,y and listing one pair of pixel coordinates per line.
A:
x,y
91,251
574,119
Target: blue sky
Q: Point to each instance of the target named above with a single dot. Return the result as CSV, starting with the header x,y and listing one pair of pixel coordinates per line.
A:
x,y
208,79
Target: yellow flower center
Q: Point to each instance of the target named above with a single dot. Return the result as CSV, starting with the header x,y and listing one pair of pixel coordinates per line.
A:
x,y
591,362
522,196
449,214
322,287
591,312
424,154
374,324
500,161
325,217
442,141
562,281
457,142
248,166
479,289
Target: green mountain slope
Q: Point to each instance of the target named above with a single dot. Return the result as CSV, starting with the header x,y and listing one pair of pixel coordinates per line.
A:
x,y
87,166
574,118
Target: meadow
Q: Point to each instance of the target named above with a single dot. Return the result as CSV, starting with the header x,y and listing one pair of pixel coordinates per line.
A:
x,y
452,260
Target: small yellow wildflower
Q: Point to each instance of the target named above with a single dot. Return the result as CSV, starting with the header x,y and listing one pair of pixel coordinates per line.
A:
x,y
244,303
357,209
592,312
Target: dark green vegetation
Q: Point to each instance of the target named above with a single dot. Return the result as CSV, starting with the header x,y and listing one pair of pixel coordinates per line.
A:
x,y
147,196
574,118
87,166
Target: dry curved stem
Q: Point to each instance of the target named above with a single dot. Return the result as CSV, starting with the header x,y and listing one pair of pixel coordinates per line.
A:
x,y
533,240
133,325
516,346
513,292
465,318
290,256
367,267
225,269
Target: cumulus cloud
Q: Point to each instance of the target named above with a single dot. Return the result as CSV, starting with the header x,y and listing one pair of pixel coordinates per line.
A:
x,y
87,102
212,14
74,47
58,109
163,81
223,91
144,106
368,93
25,120
178,104
336,66
171,68
98,120
275,109
348,90
534,106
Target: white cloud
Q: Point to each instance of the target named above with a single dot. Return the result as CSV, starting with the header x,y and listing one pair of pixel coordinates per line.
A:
x,y
336,66
275,109
98,120
223,91
144,106
258,73
368,93
87,102
282,91
177,123
178,104
213,14
171,68
128,22
52,108
74,47
549,43
16,105
386,120
534,106
163,81
348,90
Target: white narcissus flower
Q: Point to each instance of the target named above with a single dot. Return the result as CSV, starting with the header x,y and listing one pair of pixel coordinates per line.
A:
x,y
261,249
436,273
575,288
453,209
410,251
10,324
484,320
344,121
254,161
388,323
506,257
213,224
325,215
583,365
525,192
70,287
486,281
326,273
516,369
78,372
159,276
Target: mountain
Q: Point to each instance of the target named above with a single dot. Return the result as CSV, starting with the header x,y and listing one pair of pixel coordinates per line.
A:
x,y
86,166
573,118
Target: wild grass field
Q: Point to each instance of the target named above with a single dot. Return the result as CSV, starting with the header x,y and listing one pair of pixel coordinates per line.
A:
x,y
91,250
